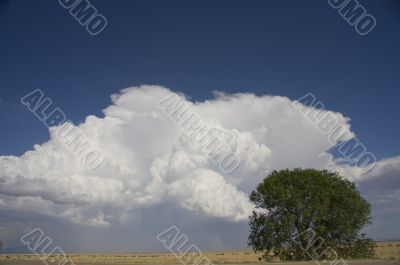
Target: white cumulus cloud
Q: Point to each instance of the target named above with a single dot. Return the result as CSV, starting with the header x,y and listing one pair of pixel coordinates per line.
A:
x,y
148,160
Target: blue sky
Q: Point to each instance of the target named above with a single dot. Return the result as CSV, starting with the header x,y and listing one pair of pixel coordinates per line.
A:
x,y
280,47
268,47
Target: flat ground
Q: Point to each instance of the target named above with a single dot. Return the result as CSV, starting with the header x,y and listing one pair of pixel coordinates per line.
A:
x,y
353,262
388,253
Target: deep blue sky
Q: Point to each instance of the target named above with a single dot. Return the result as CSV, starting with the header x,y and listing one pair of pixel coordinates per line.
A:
x,y
276,47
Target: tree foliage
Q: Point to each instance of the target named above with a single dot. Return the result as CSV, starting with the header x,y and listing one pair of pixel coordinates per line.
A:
x,y
294,202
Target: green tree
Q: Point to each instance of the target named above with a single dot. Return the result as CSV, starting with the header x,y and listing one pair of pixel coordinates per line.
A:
x,y
293,204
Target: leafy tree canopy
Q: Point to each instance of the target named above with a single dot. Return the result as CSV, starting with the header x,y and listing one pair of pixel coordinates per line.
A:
x,y
293,204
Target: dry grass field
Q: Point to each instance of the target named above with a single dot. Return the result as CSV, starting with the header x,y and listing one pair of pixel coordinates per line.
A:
x,y
389,252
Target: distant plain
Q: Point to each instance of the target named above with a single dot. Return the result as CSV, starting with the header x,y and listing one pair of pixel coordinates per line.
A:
x,y
387,253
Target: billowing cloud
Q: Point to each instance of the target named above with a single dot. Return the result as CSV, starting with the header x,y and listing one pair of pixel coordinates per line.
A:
x,y
149,160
